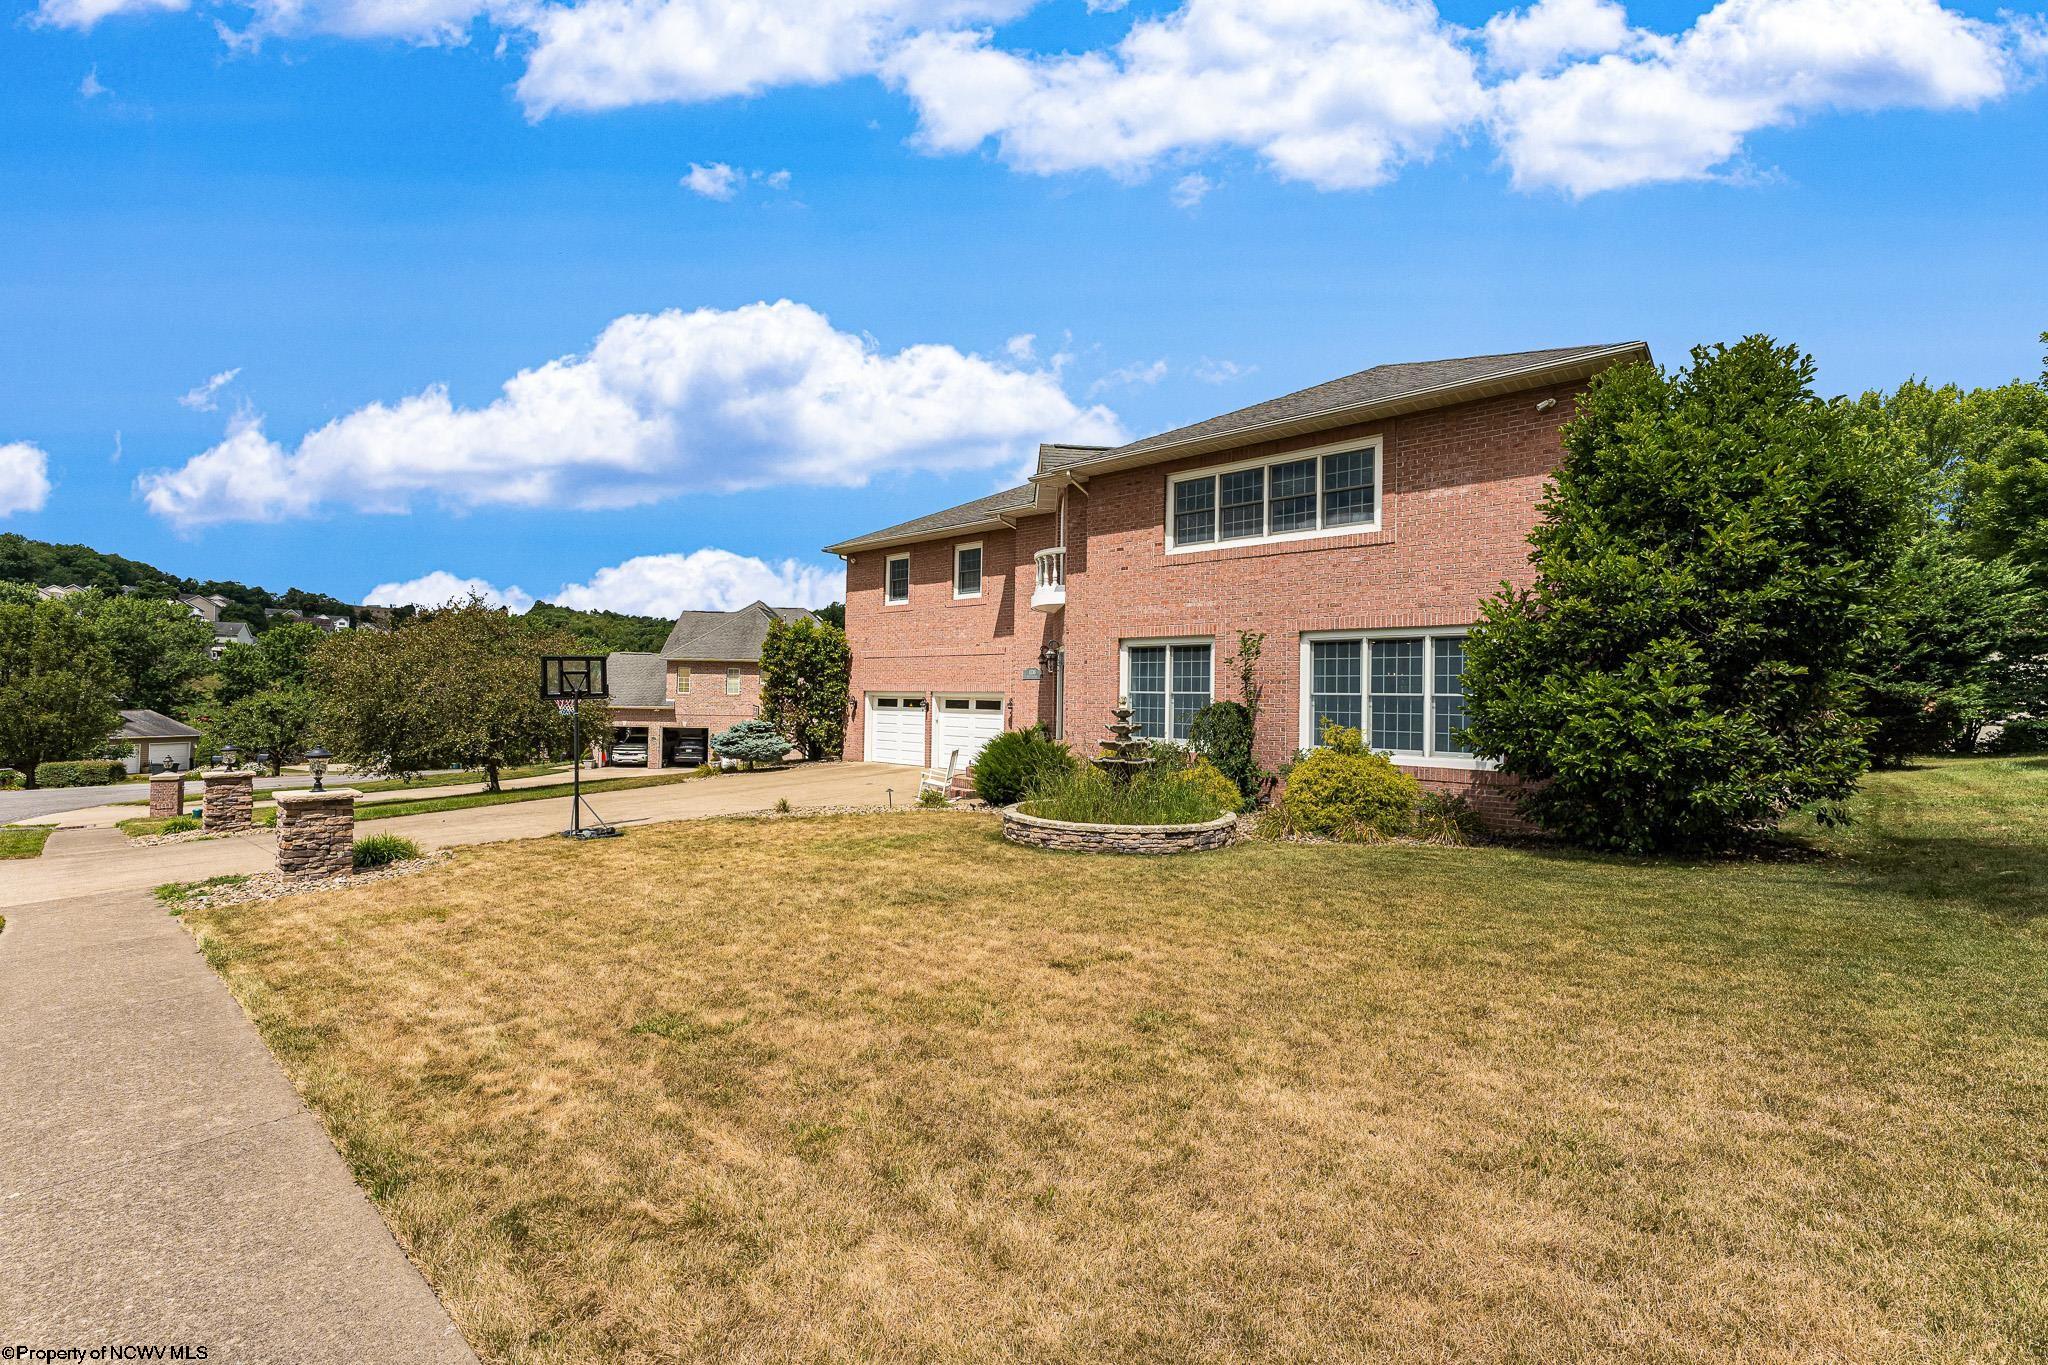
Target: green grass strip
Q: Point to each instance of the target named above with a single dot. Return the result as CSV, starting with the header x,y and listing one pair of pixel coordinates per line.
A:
x,y
385,810
24,841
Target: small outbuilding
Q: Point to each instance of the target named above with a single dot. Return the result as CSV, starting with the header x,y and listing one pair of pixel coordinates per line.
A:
x,y
152,742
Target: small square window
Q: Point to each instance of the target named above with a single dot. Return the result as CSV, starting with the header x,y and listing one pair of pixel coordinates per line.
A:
x,y
1194,511
897,584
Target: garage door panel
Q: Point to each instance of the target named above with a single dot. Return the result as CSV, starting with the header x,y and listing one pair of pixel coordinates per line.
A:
x,y
966,724
895,729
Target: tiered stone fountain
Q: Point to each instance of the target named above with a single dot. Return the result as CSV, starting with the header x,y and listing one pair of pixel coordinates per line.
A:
x,y
1123,754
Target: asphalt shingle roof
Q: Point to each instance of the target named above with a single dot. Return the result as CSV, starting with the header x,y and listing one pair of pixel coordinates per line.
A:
x,y
1382,384
637,679
730,637
153,725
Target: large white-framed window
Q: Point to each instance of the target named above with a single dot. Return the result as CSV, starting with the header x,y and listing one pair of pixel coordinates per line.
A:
x,y
732,682
1167,682
1402,689
967,570
896,579
1325,491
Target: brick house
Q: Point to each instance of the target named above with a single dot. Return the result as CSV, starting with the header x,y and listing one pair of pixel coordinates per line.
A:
x,y
706,677
1358,524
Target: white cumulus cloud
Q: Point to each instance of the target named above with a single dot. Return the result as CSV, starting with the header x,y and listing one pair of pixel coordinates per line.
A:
x,y
1548,31
1338,93
645,585
440,587
84,14
712,400
24,478
703,580
1191,189
715,181
607,54
1680,108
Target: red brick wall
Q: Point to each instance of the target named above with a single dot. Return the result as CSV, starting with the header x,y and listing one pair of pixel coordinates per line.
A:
x,y
706,703
1459,491
936,644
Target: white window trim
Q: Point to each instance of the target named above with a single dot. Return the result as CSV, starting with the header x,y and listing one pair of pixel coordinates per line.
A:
x,y
886,576
732,682
1379,506
958,550
1311,740
680,678
1123,672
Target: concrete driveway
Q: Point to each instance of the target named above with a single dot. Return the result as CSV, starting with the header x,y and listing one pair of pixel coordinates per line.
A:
x,y
79,861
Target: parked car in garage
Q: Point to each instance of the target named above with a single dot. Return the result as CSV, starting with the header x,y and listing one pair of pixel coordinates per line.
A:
x,y
629,753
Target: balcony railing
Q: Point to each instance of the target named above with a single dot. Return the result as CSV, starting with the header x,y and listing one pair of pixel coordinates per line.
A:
x,y
1051,592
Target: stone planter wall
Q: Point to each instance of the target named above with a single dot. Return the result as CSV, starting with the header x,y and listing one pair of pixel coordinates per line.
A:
x,y
316,832
1034,832
229,801
166,795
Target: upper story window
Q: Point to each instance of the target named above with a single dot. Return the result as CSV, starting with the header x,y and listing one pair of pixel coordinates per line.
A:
x,y
1327,491
896,579
1403,690
682,677
732,682
967,570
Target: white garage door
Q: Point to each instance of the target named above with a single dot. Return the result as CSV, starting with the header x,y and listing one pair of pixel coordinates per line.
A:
x,y
965,723
895,730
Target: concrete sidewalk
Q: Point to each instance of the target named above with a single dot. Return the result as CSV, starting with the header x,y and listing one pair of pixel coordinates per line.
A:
x,y
160,1181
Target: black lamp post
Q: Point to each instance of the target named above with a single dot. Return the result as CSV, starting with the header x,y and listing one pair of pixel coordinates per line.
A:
x,y
316,759
228,754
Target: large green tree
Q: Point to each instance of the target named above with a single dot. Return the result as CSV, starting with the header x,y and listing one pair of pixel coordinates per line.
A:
x,y
57,697
280,657
455,687
276,722
805,666
1709,560
158,648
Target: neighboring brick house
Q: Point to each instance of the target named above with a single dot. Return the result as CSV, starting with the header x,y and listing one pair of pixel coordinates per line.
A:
x,y
1358,524
706,677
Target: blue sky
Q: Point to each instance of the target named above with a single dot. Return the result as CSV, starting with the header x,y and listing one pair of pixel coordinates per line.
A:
x,y
344,203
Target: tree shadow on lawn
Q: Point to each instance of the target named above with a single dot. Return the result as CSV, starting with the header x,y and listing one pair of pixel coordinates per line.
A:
x,y
2007,880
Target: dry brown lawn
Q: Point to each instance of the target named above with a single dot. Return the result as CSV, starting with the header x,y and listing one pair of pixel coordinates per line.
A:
x,y
885,1088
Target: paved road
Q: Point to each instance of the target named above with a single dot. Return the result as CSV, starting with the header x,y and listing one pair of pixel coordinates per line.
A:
x,y
160,1182
16,806
77,861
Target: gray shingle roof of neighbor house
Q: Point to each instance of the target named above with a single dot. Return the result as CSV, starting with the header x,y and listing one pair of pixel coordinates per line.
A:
x,y
637,679
1382,391
152,725
729,637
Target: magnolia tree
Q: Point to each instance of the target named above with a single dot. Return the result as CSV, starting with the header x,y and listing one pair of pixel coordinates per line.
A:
x,y
1713,552
455,687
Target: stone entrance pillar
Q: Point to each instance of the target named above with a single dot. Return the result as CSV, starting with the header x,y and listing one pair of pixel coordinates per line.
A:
x,y
228,800
316,832
166,795
657,746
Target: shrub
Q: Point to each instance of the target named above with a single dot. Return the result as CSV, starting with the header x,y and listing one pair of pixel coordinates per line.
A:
x,y
1444,819
9,778
1205,777
1017,762
380,850
782,806
752,741
1345,791
1160,796
1222,733
85,772
931,798
2022,736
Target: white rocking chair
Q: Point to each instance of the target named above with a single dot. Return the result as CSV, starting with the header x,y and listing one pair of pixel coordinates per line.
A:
x,y
933,780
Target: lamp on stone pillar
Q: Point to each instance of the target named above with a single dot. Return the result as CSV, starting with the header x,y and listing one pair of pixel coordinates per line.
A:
x,y
228,754
316,759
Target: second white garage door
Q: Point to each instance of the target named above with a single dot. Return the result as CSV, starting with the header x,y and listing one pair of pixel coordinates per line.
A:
x,y
895,730
965,723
